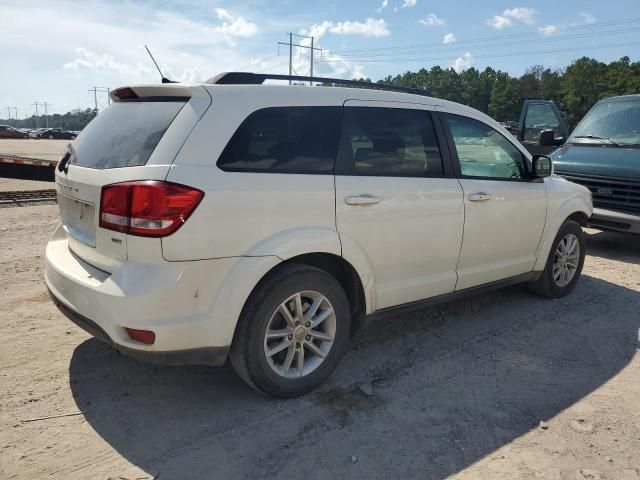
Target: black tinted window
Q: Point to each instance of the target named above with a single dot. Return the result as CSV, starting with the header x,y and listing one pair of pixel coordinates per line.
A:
x,y
124,135
389,141
285,139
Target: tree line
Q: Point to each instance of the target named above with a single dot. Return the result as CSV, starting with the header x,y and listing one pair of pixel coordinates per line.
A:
x,y
75,120
575,90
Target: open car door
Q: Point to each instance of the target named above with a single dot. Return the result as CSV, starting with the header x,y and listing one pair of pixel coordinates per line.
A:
x,y
537,116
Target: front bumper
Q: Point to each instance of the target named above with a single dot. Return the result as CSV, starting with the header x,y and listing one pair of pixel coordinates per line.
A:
x,y
611,220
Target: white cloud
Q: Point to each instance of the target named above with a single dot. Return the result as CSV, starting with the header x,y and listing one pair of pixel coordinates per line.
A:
x,y
385,4
586,18
409,3
499,22
583,19
431,20
462,63
331,64
93,61
448,38
192,75
369,28
223,14
234,26
548,29
525,15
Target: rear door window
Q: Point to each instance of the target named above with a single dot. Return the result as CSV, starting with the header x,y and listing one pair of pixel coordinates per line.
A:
x,y
285,140
389,142
124,135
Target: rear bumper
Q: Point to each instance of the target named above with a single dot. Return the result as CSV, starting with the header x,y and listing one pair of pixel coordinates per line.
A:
x,y
611,220
192,307
195,356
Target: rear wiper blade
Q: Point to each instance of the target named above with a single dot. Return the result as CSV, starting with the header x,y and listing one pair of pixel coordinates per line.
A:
x,y
596,137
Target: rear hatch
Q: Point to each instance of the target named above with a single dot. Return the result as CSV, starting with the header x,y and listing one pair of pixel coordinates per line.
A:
x,y
136,138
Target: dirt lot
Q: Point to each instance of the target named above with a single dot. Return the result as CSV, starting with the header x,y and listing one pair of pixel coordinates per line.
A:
x,y
33,148
458,390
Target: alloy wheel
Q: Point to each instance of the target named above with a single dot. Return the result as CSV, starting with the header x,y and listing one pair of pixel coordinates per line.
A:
x,y
300,334
566,259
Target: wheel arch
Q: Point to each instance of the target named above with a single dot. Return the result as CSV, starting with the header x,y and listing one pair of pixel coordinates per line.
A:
x,y
338,268
347,277
576,209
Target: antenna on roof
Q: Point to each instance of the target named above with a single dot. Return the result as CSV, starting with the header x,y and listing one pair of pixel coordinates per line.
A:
x,y
164,79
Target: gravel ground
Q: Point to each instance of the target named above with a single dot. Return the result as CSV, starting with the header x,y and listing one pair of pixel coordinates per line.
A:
x,y
18,185
501,385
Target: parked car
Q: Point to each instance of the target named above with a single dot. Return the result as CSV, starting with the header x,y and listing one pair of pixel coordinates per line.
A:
x,y
271,224
56,133
602,153
35,132
9,132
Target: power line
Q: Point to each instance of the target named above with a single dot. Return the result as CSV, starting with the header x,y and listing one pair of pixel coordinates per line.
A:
x,y
290,44
494,37
95,91
491,45
46,114
501,55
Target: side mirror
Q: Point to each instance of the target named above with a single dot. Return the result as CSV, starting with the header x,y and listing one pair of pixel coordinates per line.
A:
x,y
541,166
547,138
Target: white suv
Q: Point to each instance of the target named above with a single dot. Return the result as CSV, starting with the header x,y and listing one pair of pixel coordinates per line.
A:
x,y
268,223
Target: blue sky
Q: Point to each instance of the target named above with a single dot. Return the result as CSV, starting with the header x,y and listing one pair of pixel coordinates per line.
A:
x,y
56,51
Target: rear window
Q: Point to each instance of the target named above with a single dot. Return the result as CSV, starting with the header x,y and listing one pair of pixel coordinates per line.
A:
x,y
124,135
285,140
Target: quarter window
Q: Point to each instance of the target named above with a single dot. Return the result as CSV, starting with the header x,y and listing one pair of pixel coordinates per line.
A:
x,y
285,140
389,142
483,151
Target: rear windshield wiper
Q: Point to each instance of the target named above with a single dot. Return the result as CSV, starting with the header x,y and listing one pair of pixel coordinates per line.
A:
x,y
596,137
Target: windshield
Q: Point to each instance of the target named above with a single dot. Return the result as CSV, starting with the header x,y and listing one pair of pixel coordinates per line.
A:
x,y
124,135
616,121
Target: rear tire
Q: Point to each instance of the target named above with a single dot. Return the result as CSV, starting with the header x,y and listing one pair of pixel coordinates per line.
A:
x,y
564,264
301,313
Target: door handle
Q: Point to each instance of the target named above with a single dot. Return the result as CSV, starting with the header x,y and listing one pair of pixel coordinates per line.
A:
x,y
479,197
362,199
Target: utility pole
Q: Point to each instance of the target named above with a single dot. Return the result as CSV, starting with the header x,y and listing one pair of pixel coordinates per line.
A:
x,y
95,91
46,114
290,55
45,104
16,110
9,111
311,70
37,117
291,45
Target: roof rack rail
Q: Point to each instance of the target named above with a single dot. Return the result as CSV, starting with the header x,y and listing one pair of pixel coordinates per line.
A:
x,y
248,78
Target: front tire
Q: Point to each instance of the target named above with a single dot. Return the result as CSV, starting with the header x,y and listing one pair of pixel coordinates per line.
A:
x,y
292,332
564,264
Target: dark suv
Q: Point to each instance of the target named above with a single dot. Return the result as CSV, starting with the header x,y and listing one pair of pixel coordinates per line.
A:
x,y
602,153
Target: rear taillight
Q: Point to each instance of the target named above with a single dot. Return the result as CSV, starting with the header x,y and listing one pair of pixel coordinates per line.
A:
x,y
147,208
